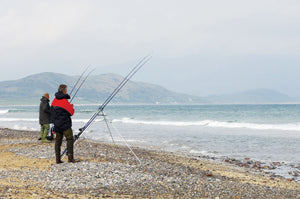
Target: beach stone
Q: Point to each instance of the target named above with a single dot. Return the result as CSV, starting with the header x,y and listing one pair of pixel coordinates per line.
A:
x,y
118,174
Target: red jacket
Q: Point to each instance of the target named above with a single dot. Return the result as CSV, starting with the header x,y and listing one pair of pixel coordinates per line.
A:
x,y
61,112
65,104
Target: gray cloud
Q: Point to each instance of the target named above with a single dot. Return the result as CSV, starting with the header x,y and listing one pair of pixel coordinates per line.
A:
x,y
200,47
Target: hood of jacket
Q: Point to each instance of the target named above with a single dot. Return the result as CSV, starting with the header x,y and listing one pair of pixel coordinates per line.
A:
x,y
44,99
59,95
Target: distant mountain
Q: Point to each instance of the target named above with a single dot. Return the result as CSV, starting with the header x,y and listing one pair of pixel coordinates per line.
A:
x,y
96,89
255,96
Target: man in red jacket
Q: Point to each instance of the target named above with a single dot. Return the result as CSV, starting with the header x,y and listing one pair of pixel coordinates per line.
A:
x,y
61,112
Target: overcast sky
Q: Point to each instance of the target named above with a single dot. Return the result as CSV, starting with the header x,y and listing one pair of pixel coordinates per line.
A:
x,y
199,47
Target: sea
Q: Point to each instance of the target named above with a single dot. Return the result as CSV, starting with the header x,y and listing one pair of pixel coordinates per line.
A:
x,y
268,133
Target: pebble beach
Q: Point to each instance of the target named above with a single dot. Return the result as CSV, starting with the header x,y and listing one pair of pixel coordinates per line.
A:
x,y
28,170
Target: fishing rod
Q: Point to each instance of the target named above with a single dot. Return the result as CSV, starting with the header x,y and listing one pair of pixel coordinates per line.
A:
x,y
110,97
78,80
81,84
113,94
126,79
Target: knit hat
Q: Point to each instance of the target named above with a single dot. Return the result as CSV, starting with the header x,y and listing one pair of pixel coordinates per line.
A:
x,y
46,95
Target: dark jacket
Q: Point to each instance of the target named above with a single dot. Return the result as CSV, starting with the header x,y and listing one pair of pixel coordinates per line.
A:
x,y
44,111
61,112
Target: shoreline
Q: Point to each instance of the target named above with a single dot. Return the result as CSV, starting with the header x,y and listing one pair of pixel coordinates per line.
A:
x,y
283,170
28,170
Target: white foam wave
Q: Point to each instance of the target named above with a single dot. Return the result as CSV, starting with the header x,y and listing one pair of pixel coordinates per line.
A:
x,y
36,120
218,124
164,123
19,119
26,128
2,112
85,120
193,151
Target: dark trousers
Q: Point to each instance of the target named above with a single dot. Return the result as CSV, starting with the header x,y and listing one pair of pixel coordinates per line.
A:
x,y
70,141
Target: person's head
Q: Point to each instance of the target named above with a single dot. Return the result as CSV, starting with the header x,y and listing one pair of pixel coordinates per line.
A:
x,y
46,95
63,88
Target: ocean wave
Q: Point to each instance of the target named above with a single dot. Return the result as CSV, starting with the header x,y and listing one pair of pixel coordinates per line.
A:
x,y
85,120
5,111
85,111
37,120
217,124
20,110
26,128
19,119
2,112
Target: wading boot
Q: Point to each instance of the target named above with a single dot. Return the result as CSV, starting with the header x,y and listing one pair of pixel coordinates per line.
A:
x,y
46,141
58,160
71,159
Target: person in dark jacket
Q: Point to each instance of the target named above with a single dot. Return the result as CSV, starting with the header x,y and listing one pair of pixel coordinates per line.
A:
x,y
44,117
61,112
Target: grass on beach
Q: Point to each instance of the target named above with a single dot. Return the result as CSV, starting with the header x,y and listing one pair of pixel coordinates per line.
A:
x,y
23,162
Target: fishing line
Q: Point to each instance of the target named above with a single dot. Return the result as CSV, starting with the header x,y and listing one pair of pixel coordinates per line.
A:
x,y
125,141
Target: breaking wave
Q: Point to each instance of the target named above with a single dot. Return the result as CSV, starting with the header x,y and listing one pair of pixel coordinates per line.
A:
x,y
2,112
19,119
218,124
14,110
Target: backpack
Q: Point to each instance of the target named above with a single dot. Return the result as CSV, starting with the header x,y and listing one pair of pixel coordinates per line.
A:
x,y
51,133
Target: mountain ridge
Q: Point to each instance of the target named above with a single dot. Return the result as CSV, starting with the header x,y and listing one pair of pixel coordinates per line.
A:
x,y
97,88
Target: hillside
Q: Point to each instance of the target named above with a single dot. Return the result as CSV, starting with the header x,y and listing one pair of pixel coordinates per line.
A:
x,y
96,89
